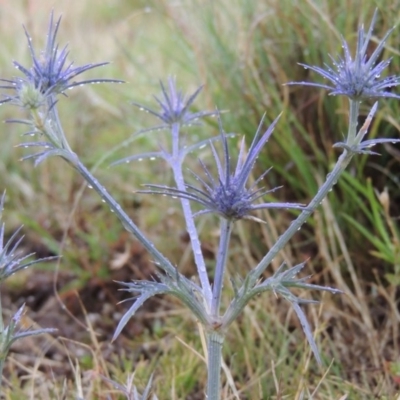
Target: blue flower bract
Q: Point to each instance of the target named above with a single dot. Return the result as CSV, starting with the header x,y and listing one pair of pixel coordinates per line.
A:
x,y
50,74
359,78
227,195
174,106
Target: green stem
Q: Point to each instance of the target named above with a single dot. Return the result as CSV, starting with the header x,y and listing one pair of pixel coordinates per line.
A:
x,y
176,165
47,121
56,135
353,120
215,341
226,230
129,225
2,359
1,374
1,318
240,301
331,180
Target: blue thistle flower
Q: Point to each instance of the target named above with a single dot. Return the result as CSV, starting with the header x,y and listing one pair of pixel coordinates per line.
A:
x,y
49,74
227,195
174,113
359,78
175,106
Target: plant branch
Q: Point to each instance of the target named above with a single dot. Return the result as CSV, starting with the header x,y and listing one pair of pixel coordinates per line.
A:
x,y
128,224
331,180
176,165
241,299
226,230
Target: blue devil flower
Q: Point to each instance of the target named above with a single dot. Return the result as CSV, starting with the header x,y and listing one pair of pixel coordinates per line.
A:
x,y
227,195
357,78
174,106
50,74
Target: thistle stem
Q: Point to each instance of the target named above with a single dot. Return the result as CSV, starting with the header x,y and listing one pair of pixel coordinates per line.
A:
x,y
1,318
354,110
176,165
1,373
226,230
2,341
240,301
331,180
129,225
215,341
58,127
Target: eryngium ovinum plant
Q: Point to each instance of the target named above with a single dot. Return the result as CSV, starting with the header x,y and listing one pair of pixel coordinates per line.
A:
x,y
225,193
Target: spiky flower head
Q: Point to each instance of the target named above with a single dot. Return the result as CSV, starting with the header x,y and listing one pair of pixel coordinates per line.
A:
x,y
50,73
174,113
174,106
358,78
10,261
228,194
